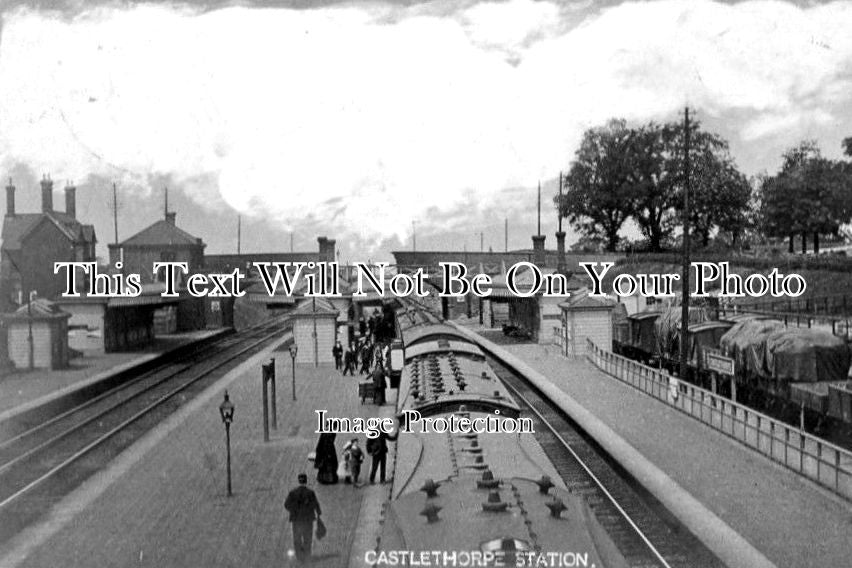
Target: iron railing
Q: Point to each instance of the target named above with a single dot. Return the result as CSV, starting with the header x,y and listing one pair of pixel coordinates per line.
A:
x,y
808,455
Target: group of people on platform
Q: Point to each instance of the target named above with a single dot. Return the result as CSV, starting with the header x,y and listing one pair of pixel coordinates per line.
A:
x,y
302,503
330,469
365,353
361,353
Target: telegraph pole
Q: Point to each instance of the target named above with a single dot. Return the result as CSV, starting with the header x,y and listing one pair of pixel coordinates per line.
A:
x,y
115,211
316,339
684,317
239,231
414,236
538,231
506,233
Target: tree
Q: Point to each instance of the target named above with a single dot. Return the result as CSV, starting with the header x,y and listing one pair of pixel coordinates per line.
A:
x,y
622,172
779,213
599,189
655,184
719,192
810,194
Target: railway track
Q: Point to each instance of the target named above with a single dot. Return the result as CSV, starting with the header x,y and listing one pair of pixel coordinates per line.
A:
x,y
643,530
45,461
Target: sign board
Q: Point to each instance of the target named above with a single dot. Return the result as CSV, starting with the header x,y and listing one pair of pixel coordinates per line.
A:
x,y
715,361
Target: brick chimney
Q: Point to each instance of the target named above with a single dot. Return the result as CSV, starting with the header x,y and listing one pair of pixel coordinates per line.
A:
x,y
46,194
170,217
539,257
560,251
10,199
326,249
71,201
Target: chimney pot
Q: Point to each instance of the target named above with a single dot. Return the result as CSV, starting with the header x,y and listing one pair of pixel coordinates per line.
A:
x,y
170,217
46,194
10,199
71,201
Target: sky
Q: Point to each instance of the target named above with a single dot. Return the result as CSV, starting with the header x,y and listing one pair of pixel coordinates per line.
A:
x,y
368,121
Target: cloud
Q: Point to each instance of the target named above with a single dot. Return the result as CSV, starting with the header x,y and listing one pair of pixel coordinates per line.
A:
x,y
366,117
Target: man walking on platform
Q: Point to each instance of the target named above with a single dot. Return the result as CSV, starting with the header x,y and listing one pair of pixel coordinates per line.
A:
x,y
378,376
337,353
366,358
304,508
349,361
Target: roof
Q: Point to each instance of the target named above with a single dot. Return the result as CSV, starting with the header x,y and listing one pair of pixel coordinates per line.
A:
x,y
17,227
150,295
463,524
583,301
458,347
226,262
645,315
318,306
38,309
416,334
162,233
523,280
703,326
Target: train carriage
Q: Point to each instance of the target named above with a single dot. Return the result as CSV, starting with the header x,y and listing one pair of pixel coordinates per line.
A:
x,y
641,344
476,494
788,373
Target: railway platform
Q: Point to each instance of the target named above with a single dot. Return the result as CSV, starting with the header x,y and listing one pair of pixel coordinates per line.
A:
x,y
24,390
790,520
163,502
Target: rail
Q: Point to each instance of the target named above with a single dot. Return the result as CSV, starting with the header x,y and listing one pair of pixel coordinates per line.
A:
x,y
810,456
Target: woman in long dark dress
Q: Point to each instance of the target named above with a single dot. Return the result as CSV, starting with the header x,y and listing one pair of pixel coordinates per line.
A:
x,y
326,460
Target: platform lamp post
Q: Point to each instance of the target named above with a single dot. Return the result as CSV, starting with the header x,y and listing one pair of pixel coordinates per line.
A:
x,y
294,349
226,411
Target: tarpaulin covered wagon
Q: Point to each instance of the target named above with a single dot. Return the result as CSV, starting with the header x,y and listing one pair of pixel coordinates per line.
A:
x,y
667,331
745,342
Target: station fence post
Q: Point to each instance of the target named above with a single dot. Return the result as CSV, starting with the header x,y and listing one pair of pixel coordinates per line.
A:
x,y
267,373
273,396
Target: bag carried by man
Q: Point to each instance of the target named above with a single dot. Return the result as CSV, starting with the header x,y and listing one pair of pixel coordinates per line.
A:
x,y
321,530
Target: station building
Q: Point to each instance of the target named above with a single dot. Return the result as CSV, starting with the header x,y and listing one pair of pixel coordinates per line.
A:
x,y
584,317
117,323
163,241
314,331
37,336
32,242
